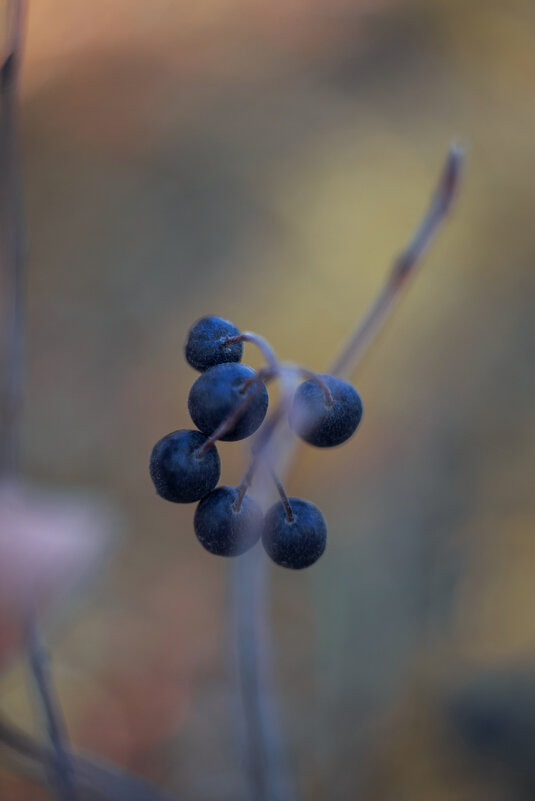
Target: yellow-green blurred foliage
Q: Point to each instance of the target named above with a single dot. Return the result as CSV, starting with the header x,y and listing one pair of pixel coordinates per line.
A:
x,y
265,161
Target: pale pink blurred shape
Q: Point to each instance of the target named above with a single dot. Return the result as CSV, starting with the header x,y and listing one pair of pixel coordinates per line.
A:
x,y
51,544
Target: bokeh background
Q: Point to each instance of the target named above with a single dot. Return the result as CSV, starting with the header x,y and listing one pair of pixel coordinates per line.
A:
x,y
265,161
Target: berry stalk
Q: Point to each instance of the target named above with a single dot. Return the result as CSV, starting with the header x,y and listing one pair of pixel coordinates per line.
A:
x,y
283,496
262,344
322,384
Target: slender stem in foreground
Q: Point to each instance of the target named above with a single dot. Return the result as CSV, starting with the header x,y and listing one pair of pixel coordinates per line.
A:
x,y
405,264
95,780
12,238
60,763
262,736
12,256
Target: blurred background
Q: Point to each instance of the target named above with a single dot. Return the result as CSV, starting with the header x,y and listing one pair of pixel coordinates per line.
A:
x,y
264,162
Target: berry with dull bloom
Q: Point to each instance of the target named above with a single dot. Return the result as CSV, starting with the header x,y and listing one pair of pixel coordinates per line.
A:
x,y
294,540
206,344
178,470
226,526
219,393
321,423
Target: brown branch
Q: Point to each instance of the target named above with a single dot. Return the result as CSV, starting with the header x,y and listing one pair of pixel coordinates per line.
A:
x,y
405,264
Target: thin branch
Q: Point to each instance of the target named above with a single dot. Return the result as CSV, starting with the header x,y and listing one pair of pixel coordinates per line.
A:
x,y
264,743
94,779
264,746
262,344
405,264
61,767
12,235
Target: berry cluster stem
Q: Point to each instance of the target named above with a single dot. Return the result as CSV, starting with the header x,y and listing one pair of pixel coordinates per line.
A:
x,y
274,366
262,344
265,375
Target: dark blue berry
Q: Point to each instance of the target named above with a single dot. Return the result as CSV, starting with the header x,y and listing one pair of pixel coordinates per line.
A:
x,y
177,471
221,529
217,393
320,424
205,343
295,543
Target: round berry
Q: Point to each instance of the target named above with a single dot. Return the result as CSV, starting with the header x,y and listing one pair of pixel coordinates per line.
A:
x,y
319,423
178,472
295,543
205,345
218,393
221,529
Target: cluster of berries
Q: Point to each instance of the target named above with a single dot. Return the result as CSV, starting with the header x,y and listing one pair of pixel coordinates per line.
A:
x,y
229,402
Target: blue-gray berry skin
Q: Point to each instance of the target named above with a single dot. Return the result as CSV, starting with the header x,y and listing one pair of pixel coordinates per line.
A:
x,y
298,543
205,343
322,425
223,531
178,473
216,394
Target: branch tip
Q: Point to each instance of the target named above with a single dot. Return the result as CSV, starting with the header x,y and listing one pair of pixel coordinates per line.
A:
x,y
450,179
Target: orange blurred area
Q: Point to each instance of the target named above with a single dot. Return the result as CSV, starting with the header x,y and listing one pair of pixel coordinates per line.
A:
x,y
265,162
